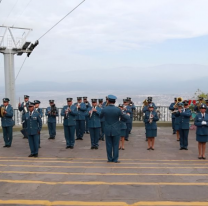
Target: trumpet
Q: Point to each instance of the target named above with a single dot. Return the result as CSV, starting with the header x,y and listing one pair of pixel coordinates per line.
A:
x,y
179,99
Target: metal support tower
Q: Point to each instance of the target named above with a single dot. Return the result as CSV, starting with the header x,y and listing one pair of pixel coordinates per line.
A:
x,y
18,47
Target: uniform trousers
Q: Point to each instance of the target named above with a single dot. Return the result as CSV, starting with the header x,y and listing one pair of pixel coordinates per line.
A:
x,y
184,138
52,129
86,124
69,132
112,147
80,128
173,124
7,134
33,143
102,131
128,130
94,136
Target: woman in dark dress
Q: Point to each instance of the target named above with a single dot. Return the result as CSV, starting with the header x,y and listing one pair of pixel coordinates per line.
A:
x,y
150,120
201,121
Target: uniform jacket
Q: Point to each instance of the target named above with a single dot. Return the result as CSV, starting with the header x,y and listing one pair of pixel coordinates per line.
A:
x,y
185,118
129,111
112,115
24,109
201,129
88,105
171,108
70,117
7,120
34,123
94,120
103,118
146,108
81,111
196,109
51,118
207,110
153,125
40,111
123,120
177,120
132,108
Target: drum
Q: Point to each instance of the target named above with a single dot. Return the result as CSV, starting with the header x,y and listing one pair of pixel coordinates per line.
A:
x,y
2,110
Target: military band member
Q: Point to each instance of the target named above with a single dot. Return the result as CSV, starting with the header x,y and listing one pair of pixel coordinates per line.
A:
x,y
69,112
112,115
150,120
128,110
94,123
40,111
146,108
52,113
7,123
133,108
123,126
198,105
102,121
178,120
185,115
206,105
172,108
80,118
34,126
23,107
86,117
201,121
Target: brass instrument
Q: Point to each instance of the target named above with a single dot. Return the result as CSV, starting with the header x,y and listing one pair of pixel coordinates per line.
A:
x,y
150,118
2,110
67,110
179,99
145,104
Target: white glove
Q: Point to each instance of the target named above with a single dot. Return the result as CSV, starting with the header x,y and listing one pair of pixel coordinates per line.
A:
x,y
204,123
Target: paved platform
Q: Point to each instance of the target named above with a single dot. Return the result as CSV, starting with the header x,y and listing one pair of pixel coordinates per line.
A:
x,y
82,176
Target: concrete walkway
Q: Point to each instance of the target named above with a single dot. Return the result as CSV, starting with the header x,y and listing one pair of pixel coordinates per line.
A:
x,y
82,176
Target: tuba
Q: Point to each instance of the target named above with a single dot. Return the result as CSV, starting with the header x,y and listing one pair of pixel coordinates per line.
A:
x,y
2,110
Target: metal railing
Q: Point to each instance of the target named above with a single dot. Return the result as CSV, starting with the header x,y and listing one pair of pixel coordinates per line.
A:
x,y
164,115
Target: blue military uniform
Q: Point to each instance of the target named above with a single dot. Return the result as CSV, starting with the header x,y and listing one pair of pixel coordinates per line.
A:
x,y
102,121
69,114
7,124
184,126
94,125
34,126
196,107
171,108
88,105
123,123
112,115
207,106
201,121
52,119
105,103
40,111
133,108
80,119
151,128
24,108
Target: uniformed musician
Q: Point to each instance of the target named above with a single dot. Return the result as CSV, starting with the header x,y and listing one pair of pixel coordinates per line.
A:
x,y
185,114
112,115
80,118
7,123
172,108
123,122
94,123
146,108
102,121
69,112
133,108
23,107
86,117
128,110
201,121
198,105
178,120
150,120
52,113
40,111
34,126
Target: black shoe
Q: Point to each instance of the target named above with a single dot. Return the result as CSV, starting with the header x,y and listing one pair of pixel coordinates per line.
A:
x,y
39,146
109,161
96,147
126,140
92,147
50,138
117,162
77,139
8,146
67,147
152,148
200,158
149,148
100,138
123,149
31,155
5,146
36,155
81,138
72,147
24,138
181,148
203,158
130,132
87,132
185,148
174,132
103,139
